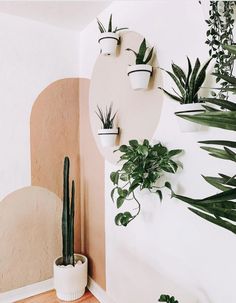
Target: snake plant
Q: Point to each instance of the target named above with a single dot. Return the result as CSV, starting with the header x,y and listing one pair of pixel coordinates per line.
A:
x,y
144,54
68,217
106,117
220,208
189,83
110,27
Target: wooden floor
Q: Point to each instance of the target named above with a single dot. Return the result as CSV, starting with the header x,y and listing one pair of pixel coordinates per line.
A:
x,y
50,297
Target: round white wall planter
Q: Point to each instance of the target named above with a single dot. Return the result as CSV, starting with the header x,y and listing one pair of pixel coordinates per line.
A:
x,y
108,136
108,43
189,109
139,76
70,281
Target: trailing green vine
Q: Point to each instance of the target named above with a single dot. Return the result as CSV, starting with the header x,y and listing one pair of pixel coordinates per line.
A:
x,y
220,32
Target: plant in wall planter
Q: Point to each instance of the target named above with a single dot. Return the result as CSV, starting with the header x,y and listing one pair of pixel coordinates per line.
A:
x,y
139,74
167,299
70,270
143,165
188,85
109,39
108,133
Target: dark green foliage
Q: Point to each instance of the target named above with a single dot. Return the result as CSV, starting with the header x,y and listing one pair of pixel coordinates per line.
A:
x,y
167,299
107,118
219,209
219,33
143,165
144,54
109,29
68,216
188,84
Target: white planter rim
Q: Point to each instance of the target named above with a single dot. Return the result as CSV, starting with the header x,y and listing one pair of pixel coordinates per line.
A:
x,y
139,68
109,35
190,108
78,257
108,131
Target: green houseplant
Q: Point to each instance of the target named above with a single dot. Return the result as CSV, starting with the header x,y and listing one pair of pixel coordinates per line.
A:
x,y
220,32
70,270
219,209
108,133
109,39
143,165
140,72
167,299
188,85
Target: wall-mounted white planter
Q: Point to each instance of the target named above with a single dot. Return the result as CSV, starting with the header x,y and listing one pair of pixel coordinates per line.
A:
x,y
70,281
139,76
108,43
189,109
108,136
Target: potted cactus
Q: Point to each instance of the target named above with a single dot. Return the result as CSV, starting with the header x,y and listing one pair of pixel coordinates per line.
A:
x,y
109,39
139,74
70,270
108,133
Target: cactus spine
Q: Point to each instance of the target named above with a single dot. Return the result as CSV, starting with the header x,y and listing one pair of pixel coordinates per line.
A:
x,y
68,216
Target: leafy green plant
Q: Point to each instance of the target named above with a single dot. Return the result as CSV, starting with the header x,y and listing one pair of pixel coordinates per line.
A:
x,y
187,84
220,32
144,54
106,117
110,27
68,217
220,208
167,299
143,165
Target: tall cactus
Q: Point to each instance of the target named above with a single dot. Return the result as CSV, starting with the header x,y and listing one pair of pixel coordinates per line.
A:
x,y
68,216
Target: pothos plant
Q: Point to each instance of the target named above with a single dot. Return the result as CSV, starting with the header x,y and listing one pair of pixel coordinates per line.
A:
x,y
143,165
167,299
220,32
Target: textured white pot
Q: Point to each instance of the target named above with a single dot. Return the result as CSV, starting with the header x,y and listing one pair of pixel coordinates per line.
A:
x,y
108,43
139,76
70,281
189,109
108,136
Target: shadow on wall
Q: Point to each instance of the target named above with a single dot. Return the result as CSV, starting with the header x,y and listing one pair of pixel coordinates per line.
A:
x,y
30,236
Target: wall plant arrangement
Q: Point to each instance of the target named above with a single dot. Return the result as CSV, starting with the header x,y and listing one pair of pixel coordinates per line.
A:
x,y
109,39
220,32
108,133
188,85
220,208
70,270
139,74
143,165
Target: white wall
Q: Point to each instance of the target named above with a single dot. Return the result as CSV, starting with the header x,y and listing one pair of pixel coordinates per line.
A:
x,y
167,248
32,55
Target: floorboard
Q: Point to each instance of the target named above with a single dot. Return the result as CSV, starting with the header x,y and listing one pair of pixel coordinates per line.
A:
x,y
50,297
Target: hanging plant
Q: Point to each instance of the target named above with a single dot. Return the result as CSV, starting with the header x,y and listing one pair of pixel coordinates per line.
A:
x,y
143,165
220,32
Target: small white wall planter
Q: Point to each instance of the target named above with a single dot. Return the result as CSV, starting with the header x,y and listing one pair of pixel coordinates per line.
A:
x,y
108,136
108,43
189,109
70,281
139,76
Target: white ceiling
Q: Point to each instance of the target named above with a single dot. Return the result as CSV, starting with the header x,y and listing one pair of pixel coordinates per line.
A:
x,y
72,15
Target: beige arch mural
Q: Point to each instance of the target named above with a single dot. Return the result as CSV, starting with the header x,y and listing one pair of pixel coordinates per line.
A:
x,y
29,236
60,126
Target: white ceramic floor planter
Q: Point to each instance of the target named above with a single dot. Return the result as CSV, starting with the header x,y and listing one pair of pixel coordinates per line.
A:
x,y
139,76
189,109
108,136
70,281
108,43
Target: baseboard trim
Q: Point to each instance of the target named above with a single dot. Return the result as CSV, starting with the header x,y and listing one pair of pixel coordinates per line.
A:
x,y
98,292
26,291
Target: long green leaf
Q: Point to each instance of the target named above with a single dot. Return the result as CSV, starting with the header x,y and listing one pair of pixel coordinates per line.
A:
x,y
225,120
223,103
216,182
192,81
220,142
178,83
110,24
149,56
230,48
220,153
171,95
141,52
230,79
201,76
